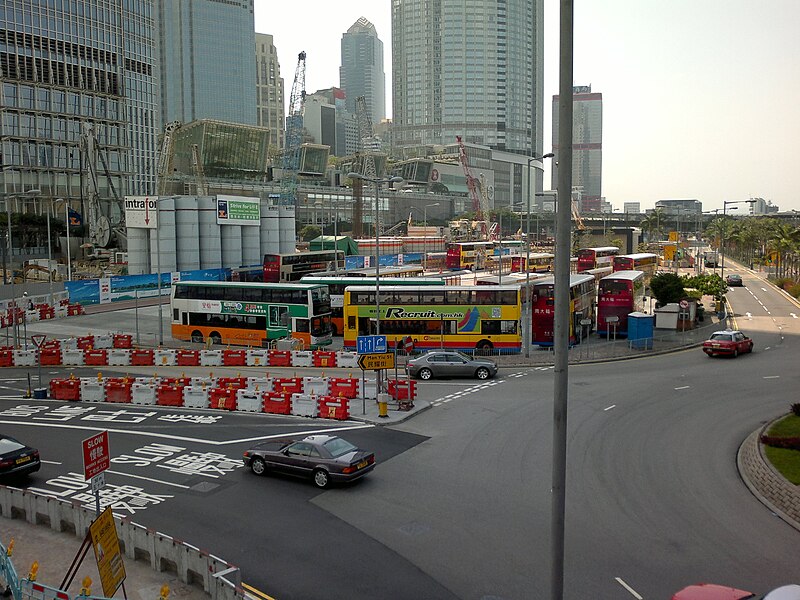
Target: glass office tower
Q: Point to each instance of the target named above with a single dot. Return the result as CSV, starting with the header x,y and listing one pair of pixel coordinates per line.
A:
x,y
361,73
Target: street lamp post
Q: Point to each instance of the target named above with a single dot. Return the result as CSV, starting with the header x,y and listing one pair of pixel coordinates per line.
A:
x,y
425,234
528,318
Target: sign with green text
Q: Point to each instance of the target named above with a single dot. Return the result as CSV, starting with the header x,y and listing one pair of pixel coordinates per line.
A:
x,y
238,210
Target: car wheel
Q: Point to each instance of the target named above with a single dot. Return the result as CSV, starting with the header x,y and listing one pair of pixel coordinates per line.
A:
x,y
258,466
735,352
750,349
197,337
321,478
482,373
425,374
334,332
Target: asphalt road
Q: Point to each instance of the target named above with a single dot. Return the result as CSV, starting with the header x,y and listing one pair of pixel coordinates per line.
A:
x,y
459,505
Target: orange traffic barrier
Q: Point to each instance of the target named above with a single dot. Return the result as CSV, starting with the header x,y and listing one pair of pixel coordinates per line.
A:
x,y
118,391
187,358
95,358
50,356
234,383
142,358
6,358
234,358
333,408
86,341
343,387
279,358
277,403
222,398
123,340
403,389
289,385
324,358
169,395
65,389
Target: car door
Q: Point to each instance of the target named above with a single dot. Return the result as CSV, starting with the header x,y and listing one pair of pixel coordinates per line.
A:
x,y
453,365
298,458
741,342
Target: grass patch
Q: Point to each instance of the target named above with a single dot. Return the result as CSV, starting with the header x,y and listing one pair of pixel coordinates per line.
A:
x,y
789,426
786,461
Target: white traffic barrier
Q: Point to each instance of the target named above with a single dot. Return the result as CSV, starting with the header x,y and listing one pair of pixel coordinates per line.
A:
x,y
369,390
60,312
92,390
32,315
257,357
71,356
249,401
304,405
195,396
302,358
25,358
210,358
347,360
203,381
103,341
259,384
143,393
69,344
317,386
119,357
164,357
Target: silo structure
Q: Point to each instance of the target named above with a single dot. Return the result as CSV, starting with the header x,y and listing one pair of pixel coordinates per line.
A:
x,y
209,234
251,245
286,231
138,258
270,237
187,229
231,237
162,240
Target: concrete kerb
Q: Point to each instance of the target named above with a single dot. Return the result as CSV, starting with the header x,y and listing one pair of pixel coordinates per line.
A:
x,y
219,579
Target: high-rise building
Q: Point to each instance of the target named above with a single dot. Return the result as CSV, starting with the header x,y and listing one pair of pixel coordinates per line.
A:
x,y
361,73
587,145
89,61
473,69
208,66
632,208
271,112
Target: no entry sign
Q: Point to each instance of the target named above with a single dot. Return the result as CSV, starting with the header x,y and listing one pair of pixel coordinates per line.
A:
x,y
96,456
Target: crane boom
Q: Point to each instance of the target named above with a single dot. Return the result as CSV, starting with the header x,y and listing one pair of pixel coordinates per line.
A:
x,y
481,209
294,134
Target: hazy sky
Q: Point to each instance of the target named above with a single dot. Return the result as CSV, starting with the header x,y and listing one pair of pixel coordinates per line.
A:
x,y
701,99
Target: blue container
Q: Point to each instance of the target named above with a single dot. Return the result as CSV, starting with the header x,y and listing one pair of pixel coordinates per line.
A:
x,y
40,393
640,330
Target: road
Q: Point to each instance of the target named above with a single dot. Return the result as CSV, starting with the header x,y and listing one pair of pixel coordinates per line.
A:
x,y
459,505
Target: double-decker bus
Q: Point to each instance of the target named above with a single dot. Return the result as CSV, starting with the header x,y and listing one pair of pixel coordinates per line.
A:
x,y
582,294
618,295
251,314
600,272
455,317
593,258
280,268
540,262
337,286
646,262
468,255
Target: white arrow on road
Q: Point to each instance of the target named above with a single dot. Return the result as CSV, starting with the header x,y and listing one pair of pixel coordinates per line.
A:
x,y
794,316
749,315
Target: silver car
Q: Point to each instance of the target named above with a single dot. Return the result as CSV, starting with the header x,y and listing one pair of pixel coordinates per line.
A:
x,y
447,363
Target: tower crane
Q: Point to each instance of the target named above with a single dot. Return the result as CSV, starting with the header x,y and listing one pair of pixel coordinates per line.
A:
x,y
367,161
294,134
479,205
165,156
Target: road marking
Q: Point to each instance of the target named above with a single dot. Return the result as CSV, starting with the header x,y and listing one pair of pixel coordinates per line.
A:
x,y
794,316
609,407
51,462
629,588
150,479
749,315
250,590
771,377
765,289
683,387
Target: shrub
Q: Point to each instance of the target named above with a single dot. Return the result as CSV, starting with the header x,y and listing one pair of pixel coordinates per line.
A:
x,y
796,409
791,443
794,290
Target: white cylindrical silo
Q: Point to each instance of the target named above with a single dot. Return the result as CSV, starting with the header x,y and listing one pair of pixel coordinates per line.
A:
x,y
231,236
251,246
210,240
187,231
162,246
286,231
138,255
270,237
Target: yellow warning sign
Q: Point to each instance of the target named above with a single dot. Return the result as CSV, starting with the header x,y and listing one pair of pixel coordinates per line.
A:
x,y
375,362
106,552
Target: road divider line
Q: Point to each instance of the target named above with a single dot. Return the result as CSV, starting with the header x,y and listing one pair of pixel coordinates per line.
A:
x,y
771,377
251,591
683,387
628,588
51,462
609,407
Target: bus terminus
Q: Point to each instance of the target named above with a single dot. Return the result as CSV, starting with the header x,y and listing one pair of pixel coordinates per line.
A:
x,y
337,285
281,268
593,258
619,294
453,317
468,255
582,291
643,261
251,314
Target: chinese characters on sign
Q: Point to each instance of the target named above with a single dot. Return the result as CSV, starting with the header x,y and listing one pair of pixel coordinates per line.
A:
x,y
95,455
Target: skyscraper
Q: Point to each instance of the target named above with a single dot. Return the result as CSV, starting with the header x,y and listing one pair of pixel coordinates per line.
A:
x,y
587,145
270,89
90,61
361,73
208,66
470,68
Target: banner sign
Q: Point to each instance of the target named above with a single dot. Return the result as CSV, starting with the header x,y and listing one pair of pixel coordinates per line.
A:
x,y
237,210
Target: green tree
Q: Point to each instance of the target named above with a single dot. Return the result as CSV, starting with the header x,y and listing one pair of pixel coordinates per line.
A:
x,y
310,232
667,288
708,285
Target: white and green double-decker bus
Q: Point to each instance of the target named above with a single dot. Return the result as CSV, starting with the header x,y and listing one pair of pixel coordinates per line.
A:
x,y
251,314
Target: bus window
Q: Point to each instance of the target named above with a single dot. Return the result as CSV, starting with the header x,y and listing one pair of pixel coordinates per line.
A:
x,y
351,323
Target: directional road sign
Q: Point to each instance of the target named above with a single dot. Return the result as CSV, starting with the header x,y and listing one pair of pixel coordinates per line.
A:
x,y
370,344
375,362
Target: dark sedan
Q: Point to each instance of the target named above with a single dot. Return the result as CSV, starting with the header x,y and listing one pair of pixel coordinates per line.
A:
x,y
443,363
17,459
323,458
734,280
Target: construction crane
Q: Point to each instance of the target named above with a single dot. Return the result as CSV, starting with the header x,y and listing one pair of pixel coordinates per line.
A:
x,y
494,228
199,173
100,226
481,209
165,157
294,134
366,162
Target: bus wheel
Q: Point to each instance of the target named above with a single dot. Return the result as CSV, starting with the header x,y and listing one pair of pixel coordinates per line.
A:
x,y
215,337
484,345
333,329
197,337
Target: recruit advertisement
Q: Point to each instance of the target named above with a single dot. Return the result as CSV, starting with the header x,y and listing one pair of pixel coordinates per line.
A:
x,y
106,551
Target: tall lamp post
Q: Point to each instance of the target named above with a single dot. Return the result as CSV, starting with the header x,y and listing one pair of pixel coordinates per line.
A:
x,y
725,204
425,234
528,319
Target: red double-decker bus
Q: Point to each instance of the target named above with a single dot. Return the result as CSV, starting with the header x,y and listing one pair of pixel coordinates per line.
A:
x,y
618,295
468,255
593,258
281,268
643,261
582,293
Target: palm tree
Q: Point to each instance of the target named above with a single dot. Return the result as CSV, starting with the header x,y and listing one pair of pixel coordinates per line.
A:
x,y
652,223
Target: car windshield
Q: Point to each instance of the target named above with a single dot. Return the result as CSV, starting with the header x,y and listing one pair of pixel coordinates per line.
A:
x,y
338,447
9,445
726,337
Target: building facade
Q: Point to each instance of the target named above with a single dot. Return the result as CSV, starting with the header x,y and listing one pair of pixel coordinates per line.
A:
x,y
680,207
632,208
269,93
762,207
86,70
474,71
587,146
361,73
208,66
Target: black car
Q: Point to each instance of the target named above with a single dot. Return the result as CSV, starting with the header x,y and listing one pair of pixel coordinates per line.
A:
x,y
16,458
734,280
323,458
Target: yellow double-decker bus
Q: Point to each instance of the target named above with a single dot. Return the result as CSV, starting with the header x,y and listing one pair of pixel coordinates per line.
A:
x,y
466,318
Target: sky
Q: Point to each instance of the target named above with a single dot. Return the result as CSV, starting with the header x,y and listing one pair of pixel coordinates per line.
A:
x,y
701,99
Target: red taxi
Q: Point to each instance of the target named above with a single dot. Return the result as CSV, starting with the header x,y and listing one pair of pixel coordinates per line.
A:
x,y
729,342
